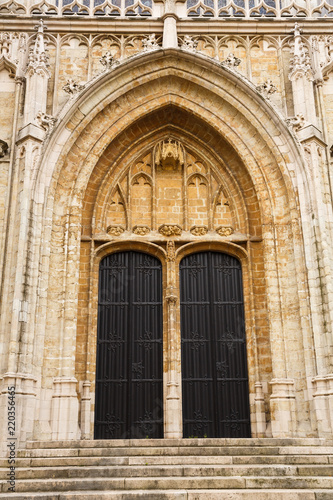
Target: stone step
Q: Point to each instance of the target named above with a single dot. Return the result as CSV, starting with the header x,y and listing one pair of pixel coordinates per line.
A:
x,y
172,443
172,483
177,495
173,451
173,460
169,471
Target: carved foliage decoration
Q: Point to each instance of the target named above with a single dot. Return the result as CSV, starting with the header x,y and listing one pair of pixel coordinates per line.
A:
x,y
150,43
189,43
141,230
224,231
231,61
199,230
115,230
170,230
267,88
108,61
72,87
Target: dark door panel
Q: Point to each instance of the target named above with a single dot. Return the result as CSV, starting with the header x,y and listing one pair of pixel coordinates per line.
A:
x,y
214,364
129,367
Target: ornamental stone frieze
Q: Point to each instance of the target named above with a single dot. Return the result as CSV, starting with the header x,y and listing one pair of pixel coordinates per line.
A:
x,y
115,230
199,230
224,231
170,230
141,230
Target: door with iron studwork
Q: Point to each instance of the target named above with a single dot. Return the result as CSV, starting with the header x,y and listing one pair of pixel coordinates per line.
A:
x,y
215,390
129,363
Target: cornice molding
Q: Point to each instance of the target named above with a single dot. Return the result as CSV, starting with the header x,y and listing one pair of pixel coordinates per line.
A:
x,y
184,26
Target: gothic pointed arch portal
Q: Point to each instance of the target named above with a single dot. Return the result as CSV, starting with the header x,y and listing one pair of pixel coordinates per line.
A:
x,y
172,193
224,179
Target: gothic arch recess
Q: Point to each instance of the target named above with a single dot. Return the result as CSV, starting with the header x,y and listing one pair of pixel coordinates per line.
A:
x,y
103,163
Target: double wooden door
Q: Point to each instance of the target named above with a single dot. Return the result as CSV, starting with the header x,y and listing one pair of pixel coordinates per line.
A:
x,y
129,368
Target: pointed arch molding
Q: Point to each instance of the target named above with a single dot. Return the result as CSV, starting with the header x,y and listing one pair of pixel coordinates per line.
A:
x,y
223,99
118,118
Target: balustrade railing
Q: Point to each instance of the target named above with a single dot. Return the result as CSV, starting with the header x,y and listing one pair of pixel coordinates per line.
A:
x,y
205,9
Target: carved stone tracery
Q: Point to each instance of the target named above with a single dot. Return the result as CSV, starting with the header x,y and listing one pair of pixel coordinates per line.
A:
x,y
170,191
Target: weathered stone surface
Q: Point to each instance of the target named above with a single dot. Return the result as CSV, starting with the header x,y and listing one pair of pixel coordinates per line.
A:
x,y
167,143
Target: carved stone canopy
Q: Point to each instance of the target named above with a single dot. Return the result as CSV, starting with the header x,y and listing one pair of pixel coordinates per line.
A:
x,y
169,154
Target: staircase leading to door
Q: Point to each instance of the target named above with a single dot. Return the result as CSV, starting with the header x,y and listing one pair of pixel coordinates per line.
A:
x,y
185,469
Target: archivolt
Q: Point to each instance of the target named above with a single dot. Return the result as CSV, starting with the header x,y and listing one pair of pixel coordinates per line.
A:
x,y
214,96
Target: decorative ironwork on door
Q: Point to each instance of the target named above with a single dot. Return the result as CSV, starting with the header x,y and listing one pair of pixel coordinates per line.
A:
x,y
129,367
214,365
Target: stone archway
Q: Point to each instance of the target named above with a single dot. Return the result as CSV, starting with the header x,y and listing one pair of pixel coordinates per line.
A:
x,y
219,118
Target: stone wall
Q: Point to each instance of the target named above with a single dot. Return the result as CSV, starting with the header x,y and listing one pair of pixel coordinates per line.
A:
x,y
111,142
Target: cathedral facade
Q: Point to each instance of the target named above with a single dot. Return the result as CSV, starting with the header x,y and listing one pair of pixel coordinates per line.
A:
x,y
166,221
